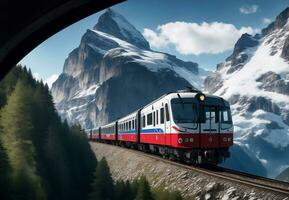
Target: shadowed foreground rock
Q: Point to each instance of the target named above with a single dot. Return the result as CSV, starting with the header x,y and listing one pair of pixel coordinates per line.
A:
x,y
128,165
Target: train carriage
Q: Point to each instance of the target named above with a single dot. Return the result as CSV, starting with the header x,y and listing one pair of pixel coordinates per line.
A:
x,y
109,131
127,129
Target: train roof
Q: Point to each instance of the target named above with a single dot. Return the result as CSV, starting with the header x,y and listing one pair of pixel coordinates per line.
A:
x,y
186,93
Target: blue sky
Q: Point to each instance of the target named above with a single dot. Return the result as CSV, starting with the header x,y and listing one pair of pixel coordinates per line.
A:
x,y
195,18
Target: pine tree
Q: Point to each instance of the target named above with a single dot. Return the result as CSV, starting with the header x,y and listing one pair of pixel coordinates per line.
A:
x,y
167,195
4,178
57,169
17,129
123,191
103,188
144,191
175,196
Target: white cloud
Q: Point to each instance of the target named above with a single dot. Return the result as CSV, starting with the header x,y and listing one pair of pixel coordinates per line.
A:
x,y
154,39
266,21
193,38
249,9
50,80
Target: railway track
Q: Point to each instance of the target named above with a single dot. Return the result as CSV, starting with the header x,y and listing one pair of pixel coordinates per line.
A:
x,y
246,179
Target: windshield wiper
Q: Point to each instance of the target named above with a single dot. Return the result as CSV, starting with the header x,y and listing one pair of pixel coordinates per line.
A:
x,y
179,96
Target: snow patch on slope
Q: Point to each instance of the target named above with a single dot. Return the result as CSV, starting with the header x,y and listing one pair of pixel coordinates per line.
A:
x,y
87,92
241,82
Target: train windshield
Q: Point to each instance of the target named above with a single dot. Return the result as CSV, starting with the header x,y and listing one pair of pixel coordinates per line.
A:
x,y
184,110
225,114
226,118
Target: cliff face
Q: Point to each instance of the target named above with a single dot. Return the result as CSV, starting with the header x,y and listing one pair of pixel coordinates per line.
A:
x,y
128,165
114,72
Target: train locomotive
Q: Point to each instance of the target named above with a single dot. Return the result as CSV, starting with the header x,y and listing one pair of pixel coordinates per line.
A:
x,y
185,125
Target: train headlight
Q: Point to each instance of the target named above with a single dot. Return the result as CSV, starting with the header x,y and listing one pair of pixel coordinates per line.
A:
x,y
201,97
225,139
180,140
191,139
187,140
229,139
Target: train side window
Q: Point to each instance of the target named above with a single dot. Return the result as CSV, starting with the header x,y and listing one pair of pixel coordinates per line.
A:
x,y
149,119
154,118
157,117
167,113
162,116
143,121
129,125
133,124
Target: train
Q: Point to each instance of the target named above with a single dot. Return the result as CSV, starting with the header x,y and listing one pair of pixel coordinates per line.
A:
x,y
185,125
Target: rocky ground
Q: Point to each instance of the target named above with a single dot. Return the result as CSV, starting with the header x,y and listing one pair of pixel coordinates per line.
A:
x,y
128,165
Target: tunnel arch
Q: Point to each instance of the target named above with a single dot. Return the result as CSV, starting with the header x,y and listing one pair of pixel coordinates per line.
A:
x,y
28,23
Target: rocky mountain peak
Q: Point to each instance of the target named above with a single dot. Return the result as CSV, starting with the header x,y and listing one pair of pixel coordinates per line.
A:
x,y
115,24
282,18
279,22
245,41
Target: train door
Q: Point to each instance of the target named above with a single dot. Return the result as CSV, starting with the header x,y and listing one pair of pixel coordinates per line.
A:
x,y
209,127
167,125
116,131
138,124
162,124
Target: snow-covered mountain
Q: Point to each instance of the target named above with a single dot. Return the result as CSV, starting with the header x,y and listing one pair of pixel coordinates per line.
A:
x,y
255,80
114,72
